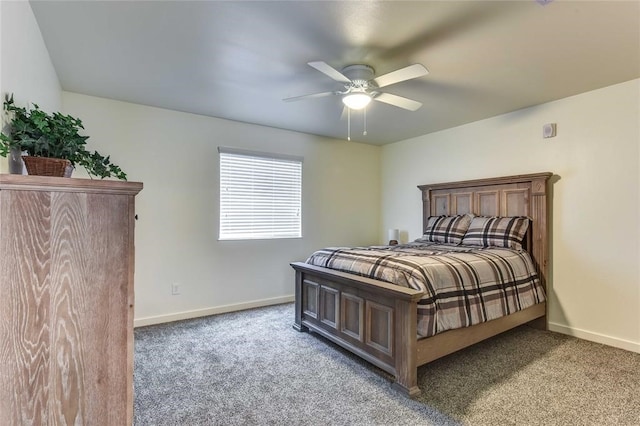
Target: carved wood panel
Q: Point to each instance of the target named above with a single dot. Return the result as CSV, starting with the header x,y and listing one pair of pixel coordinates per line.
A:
x,y
379,332
329,306
441,205
462,202
515,202
310,302
352,316
488,203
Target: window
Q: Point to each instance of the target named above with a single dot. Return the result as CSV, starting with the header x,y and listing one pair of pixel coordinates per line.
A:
x,y
260,195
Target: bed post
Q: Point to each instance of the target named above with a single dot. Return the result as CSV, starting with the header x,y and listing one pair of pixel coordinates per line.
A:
x,y
540,236
426,208
406,332
297,325
539,210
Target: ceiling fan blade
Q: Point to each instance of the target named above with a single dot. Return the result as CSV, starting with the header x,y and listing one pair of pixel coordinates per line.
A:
x,y
406,73
311,96
325,68
398,101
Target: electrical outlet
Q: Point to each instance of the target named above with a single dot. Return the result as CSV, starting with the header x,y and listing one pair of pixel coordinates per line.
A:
x,y
175,289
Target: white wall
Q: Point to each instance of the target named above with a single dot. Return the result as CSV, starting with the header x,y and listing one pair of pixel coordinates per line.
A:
x,y
595,279
26,68
175,155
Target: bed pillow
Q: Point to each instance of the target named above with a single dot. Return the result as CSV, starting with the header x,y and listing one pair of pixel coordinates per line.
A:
x,y
496,232
446,229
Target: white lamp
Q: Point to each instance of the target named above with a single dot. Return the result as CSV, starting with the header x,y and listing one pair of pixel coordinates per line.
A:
x,y
394,236
356,100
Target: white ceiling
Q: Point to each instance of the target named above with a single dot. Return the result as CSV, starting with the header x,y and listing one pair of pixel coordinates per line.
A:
x,y
238,59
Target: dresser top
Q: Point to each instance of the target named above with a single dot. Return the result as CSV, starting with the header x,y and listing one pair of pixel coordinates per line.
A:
x,y
60,184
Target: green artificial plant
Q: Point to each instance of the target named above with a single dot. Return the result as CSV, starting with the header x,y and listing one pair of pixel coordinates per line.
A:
x,y
56,135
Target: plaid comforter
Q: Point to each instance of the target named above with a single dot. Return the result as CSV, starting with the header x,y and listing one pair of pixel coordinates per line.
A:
x,y
462,285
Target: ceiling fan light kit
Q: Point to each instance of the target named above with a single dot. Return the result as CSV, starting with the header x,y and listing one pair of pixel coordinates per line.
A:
x,y
356,100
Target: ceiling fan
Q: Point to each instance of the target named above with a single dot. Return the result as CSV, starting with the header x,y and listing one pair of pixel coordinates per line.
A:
x,y
360,86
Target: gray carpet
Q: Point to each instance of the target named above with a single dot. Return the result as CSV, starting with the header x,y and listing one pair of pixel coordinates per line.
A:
x,y
251,367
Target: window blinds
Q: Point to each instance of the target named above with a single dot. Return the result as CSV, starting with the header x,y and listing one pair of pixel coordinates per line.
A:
x,y
260,195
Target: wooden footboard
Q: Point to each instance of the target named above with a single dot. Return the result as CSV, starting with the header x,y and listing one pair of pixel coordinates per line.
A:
x,y
374,320
378,322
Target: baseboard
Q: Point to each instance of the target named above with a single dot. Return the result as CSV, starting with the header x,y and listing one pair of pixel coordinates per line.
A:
x,y
558,328
595,337
140,322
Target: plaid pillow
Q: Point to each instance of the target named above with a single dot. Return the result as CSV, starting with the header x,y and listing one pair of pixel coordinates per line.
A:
x,y
497,232
446,229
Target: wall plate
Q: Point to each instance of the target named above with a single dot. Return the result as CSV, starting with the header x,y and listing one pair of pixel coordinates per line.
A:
x,y
549,130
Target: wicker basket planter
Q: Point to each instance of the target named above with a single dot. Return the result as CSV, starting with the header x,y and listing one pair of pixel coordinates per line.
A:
x,y
45,166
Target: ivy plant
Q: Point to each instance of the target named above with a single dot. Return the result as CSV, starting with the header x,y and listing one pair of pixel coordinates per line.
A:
x,y
56,135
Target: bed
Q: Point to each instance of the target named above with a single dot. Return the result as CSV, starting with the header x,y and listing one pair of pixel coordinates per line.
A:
x,y
378,321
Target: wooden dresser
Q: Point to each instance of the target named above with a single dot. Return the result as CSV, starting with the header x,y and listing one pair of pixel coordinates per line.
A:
x,y
66,301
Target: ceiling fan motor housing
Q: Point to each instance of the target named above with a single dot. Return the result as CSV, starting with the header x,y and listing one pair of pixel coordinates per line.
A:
x,y
360,75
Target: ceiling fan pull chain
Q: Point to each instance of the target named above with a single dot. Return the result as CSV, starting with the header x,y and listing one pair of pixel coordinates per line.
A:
x,y
364,133
348,124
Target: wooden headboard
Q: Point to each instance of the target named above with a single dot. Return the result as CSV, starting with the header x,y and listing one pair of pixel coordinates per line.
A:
x,y
523,195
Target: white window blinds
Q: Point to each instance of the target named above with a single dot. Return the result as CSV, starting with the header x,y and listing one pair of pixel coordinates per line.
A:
x,y
260,195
